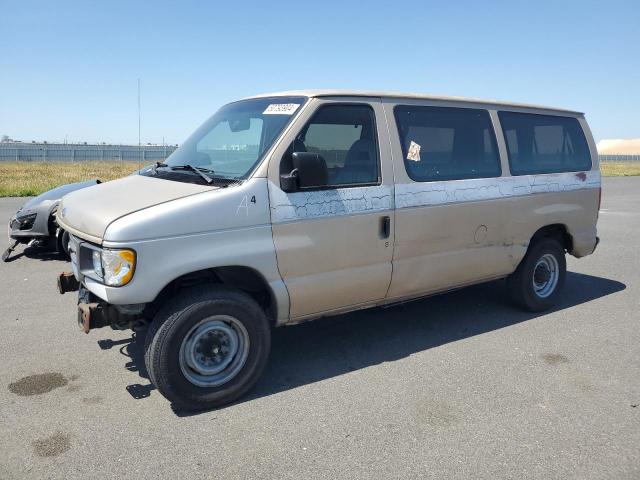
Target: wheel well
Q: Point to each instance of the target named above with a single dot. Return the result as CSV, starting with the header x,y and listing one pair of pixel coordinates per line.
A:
x,y
52,223
557,231
242,278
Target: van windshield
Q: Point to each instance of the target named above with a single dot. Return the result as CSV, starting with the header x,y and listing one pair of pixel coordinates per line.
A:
x,y
232,142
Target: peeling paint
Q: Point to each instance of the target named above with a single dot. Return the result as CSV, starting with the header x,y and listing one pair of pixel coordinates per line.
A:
x,y
347,201
455,191
328,203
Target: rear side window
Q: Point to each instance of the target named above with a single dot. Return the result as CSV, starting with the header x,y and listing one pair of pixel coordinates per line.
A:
x,y
544,143
442,143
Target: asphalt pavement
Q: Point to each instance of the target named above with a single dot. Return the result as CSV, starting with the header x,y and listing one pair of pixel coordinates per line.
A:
x,y
456,386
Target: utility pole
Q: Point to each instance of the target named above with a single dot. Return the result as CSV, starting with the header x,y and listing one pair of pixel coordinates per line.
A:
x,y
139,142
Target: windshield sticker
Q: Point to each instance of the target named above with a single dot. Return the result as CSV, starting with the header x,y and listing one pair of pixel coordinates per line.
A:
x,y
414,152
281,109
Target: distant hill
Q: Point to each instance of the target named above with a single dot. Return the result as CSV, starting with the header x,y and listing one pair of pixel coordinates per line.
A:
x,y
616,146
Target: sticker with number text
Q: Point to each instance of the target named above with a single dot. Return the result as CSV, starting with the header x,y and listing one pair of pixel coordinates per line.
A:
x,y
281,109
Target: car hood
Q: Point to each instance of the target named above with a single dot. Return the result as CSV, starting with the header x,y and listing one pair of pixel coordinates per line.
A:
x,y
88,212
57,193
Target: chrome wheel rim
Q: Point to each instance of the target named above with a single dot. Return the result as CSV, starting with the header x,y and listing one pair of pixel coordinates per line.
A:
x,y
214,351
545,275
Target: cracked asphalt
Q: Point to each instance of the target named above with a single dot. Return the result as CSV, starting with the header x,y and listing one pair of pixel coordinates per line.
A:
x,y
456,386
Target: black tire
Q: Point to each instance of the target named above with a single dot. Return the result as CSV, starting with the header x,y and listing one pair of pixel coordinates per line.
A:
x,y
177,319
65,242
520,284
62,242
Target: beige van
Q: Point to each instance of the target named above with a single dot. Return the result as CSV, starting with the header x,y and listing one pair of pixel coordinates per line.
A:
x,y
287,207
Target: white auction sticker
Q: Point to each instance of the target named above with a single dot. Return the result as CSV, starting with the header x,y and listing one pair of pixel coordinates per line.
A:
x,y
414,152
281,109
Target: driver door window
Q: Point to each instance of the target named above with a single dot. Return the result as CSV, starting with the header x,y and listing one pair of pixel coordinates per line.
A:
x,y
344,135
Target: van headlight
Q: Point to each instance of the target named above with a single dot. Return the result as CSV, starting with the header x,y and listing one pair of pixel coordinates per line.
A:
x,y
114,267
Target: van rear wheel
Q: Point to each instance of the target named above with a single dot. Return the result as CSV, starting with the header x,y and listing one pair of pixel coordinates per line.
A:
x,y
207,347
537,282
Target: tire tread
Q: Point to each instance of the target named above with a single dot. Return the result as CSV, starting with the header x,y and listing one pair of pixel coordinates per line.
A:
x,y
158,338
519,284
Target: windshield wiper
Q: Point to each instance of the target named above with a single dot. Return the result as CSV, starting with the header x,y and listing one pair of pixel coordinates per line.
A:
x,y
158,165
199,170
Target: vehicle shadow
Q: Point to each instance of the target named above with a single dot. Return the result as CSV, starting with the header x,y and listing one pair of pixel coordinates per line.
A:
x,y
44,254
133,349
326,348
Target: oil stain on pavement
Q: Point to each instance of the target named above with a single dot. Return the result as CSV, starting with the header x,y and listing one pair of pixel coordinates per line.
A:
x,y
554,358
52,446
436,414
92,400
38,384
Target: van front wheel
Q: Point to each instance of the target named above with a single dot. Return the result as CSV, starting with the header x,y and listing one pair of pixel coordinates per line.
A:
x,y
537,282
207,347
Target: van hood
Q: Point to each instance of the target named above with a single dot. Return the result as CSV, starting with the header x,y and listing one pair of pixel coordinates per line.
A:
x,y
88,212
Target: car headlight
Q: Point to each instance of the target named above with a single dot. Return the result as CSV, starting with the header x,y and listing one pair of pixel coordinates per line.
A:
x,y
114,267
25,222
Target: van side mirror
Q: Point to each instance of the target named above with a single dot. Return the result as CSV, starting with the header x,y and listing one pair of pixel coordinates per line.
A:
x,y
289,181
309,170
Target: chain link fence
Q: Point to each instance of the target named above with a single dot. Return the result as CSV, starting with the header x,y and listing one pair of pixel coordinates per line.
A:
x,y
619,158
52,152
55,152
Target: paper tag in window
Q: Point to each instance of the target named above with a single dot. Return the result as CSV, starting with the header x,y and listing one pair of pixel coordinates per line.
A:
x,y
281,109
414,152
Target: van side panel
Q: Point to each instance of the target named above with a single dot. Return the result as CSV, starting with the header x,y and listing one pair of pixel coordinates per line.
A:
x,y
570,198
448,232
457,232
576,208
441,246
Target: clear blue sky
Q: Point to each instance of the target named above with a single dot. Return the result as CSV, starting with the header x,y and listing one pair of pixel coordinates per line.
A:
x,y
70,68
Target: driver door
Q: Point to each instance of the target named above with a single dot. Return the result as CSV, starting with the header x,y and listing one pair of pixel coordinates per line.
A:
x,y
334,243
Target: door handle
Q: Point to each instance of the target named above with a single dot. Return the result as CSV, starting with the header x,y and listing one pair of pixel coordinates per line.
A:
x,y
385,226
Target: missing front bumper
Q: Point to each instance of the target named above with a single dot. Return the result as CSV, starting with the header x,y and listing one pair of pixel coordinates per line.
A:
x,y
96,315
100,314
67,282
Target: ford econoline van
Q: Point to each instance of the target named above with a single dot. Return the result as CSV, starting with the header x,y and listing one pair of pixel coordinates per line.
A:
x,y
287,207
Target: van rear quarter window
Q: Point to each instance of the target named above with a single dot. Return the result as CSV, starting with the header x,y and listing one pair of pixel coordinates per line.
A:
x,y
544,143
444,143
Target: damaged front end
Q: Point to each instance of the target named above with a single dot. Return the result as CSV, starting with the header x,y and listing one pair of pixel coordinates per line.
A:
x,y
23,229
94,313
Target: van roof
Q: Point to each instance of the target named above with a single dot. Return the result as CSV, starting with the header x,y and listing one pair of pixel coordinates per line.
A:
x,y
420,96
